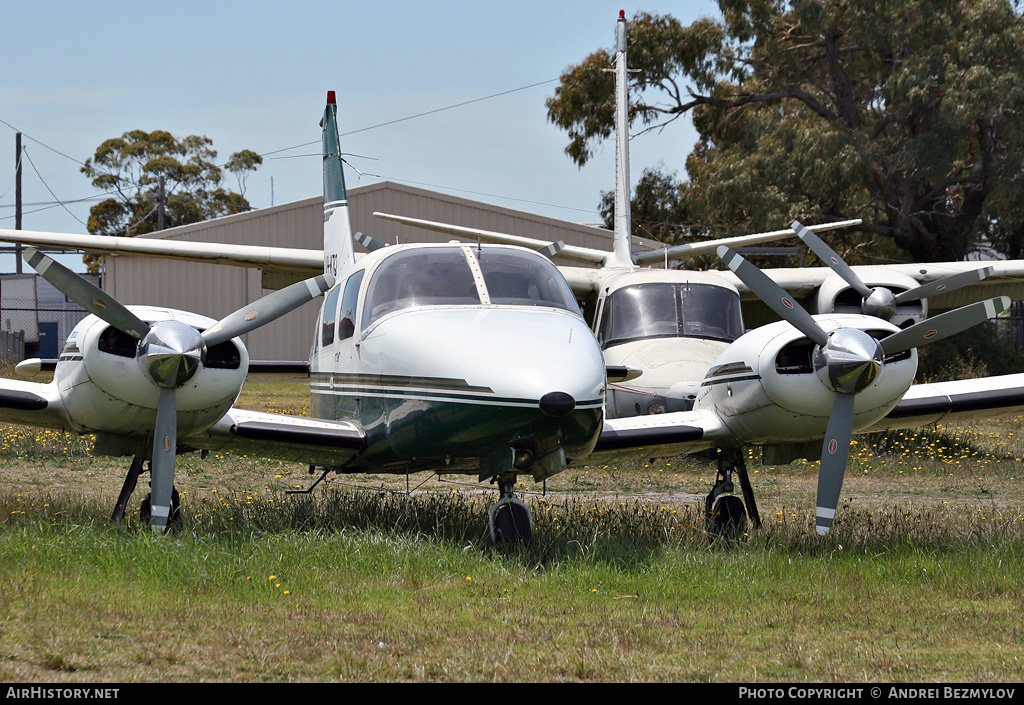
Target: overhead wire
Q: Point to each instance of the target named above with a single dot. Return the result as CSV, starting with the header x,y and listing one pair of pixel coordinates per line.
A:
x,y
63,204
29,157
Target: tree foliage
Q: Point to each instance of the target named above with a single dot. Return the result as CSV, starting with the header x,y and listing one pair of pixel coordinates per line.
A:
x,y
657,208
130,167
908,116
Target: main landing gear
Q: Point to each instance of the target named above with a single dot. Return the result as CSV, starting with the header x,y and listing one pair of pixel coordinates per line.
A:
x,y
725,513
145,509
510,518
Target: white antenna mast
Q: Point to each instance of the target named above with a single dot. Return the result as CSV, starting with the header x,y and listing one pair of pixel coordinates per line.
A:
x,y
622,247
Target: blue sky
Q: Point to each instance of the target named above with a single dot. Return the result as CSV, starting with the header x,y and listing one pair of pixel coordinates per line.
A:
x,y
254,75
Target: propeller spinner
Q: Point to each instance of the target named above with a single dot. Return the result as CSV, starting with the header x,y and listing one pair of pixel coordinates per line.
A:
x,y
172,352
847,360
880,301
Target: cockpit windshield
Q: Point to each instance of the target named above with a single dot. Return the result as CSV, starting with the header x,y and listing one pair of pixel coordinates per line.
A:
x,y
420,277
444,276
517,278
666,310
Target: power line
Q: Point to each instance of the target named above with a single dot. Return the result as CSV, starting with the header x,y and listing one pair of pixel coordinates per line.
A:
x,y
62,204
417,115
25,152
55,151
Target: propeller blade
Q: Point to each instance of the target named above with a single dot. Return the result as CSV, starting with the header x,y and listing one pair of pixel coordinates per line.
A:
x,y
944,325
773,295
164,450
829,257
945,285
553,249
370,243
91,298
835,451
267,309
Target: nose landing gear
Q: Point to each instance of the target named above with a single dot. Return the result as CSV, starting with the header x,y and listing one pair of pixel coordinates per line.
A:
x,y
510,518
725,513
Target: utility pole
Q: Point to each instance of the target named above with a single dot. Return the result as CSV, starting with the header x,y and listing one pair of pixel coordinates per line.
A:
x,y
17,198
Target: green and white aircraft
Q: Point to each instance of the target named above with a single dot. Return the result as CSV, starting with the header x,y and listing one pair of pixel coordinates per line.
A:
x,y
473,359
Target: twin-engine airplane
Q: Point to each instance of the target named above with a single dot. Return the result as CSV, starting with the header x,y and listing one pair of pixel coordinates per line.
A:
x,y
672,334
460,358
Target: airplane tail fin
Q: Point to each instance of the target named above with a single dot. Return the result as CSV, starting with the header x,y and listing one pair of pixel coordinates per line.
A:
x,y
339,252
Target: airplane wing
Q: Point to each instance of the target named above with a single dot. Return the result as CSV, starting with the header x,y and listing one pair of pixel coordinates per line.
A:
x,y
959,401
589,255
32,404
585,255
1007,279
287,259
658,436
284,437
678,433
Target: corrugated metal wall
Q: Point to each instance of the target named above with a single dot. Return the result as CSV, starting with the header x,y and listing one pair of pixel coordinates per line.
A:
x,y
217,290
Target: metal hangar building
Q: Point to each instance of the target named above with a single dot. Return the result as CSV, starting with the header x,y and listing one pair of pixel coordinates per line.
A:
x,y
216,290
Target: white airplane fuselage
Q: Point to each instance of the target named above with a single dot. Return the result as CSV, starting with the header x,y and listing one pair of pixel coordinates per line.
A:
x,y
459,359
670,324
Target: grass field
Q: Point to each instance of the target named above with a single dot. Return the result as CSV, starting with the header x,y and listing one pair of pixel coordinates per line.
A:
x,y
922,578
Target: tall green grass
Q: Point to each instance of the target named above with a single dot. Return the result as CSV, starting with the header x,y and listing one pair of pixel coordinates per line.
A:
x,y
352,586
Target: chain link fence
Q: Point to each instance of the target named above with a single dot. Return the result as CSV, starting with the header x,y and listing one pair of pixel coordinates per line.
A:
x,y
35,318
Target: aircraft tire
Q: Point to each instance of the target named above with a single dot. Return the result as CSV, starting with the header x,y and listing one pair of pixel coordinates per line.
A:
x,y
512,524
174,523
728,518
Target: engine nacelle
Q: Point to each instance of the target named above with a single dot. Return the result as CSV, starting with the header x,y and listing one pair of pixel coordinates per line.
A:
x,y
766,389
105,387
835,295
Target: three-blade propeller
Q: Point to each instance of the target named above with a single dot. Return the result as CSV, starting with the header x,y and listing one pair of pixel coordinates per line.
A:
x,y
173,352
879,301
848,359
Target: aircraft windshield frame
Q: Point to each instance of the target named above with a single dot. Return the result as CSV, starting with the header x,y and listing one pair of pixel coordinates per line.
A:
x,y
465,275
670,310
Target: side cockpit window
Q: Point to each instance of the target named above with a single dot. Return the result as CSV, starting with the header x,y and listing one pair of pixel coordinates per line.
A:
x,y
329,318
349,301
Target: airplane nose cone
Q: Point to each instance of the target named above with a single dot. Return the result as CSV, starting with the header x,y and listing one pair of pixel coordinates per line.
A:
x,y
557,404
849,361
173,353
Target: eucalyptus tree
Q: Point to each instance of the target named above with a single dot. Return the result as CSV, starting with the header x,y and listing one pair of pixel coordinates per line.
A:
x,y
906,115
154,178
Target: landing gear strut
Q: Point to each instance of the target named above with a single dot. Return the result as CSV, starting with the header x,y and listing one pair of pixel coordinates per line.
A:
x,y
510,518
145,509
724,512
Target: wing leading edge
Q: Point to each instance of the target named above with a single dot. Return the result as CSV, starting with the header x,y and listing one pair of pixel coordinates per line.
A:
x,y
286,259
958,401
32,404
284,437
658,436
